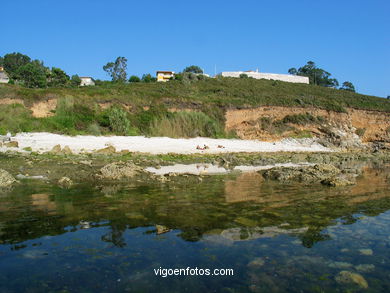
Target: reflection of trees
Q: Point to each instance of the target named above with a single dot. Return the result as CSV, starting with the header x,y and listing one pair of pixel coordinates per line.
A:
x,y
115,236
312,236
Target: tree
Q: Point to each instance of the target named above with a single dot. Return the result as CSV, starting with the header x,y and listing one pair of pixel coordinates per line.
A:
x,y
348,86
316,75
293,71
243,75
193,69
32,75
58,77
148,78
117,69
1,61
75,80
13,61
134,78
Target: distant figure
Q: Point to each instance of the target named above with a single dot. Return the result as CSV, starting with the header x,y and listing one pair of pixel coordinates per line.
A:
x,y
220,146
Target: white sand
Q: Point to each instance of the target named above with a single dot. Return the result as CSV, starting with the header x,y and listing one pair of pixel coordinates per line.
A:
x,y
43,142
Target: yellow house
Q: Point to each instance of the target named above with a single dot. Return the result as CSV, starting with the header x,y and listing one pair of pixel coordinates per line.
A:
x,y
164,76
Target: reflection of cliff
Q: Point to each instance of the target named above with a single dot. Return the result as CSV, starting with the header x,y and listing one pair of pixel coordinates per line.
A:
x,y
42,202
245,187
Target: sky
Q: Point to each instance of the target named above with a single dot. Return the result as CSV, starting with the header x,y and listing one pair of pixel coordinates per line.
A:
x,y
348,38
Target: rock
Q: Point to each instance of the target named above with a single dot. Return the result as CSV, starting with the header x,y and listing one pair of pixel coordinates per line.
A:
x,y
118,170
337,182
108,150
87,163
162,229
340,265
6,179
257,262
56,149
67,151
65,182
365,268
309,174
349,277
367,251
11,144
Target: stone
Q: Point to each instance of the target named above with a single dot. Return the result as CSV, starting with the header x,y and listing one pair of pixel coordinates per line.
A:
x,y
349,277
367,251
364,268
337,182
257,262
119,170
162,229
56,149
11,144
67,151
65,182
108,150
6,179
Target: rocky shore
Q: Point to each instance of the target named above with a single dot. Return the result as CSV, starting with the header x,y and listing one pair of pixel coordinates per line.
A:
x,y
65,169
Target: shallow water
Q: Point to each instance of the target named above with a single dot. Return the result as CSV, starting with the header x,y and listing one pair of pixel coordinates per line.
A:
x,y
276,237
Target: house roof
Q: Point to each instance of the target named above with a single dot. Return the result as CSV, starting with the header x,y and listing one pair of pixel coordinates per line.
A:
x,y
163,71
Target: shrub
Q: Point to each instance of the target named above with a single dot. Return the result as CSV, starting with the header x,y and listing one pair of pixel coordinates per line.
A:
x,y
186,124
118,120
300,119
134,78
360,131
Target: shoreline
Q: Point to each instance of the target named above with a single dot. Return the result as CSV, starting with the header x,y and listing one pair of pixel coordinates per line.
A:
x,y
42,142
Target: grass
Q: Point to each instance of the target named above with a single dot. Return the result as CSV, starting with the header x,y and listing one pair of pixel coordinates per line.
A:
x,y
221,92
78,111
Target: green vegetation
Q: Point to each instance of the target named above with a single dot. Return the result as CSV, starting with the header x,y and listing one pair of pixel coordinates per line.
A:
x,y
78,109
316,75
303,119
193,69
360,131
117,69
348,86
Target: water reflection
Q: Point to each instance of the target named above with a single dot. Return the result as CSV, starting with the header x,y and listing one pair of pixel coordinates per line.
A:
x,y
262,228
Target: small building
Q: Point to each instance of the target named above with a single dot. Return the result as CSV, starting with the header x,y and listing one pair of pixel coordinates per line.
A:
x,y
3,76
164,76
86,81
270,76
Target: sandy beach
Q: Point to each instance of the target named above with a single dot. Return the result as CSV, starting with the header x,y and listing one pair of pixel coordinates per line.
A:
x,y
44,142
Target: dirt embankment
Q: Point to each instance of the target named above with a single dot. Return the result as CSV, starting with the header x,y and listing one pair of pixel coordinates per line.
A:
x,y
369,125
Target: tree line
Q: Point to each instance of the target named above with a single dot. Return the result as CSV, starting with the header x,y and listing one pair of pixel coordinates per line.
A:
x,y
31,73
117,70
321,77
34,74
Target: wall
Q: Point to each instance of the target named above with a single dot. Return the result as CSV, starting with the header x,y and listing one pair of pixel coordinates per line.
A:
x,y
269,76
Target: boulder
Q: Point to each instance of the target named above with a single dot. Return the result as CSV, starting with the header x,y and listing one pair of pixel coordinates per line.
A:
x,y
108,150
6,179
309,174
56,149
322,173
67,151
119,170
65,182
349,277
12,144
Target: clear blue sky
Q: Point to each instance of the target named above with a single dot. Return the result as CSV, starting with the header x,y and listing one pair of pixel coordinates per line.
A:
x,y
348,38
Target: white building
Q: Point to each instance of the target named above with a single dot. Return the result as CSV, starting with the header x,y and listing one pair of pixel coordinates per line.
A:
x,y
86,80
270,76
3,76
164,75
